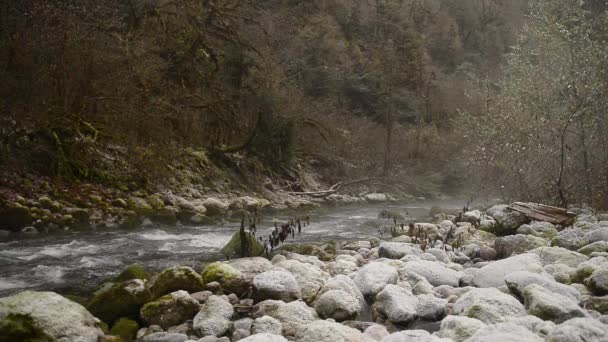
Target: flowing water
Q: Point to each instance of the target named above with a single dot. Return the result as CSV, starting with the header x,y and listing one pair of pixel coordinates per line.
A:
x,y
78,262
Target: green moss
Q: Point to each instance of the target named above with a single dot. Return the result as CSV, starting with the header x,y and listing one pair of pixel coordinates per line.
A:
x,y
119,300
233,247
126,329
16,327
229,278
581,274
324,254
174,279
132,272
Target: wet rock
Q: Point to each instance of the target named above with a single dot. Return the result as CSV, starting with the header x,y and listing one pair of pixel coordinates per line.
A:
x,y
579,330
175,279
338,305
170,310
550,306
518,281
396,304
325,331
214,317
15,217
310,278
504,332
373,277
376,198
517,244
493,274
488,305
278,285
544,230
434,272
119,300
29,231
459,328
291,315
268,325
32,316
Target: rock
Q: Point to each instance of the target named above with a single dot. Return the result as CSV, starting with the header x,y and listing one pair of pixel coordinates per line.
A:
x,y
396,304
373,277
431,308
325,331
343,283
493,274
16,217
165,337
599,304
140,206
214,317
504,332
560,272
544,230
397,250
600,234
413,336
119,203
33,316
119,300
434,272
233,247
184,328
278,285
291,315
517,244
598,281
229,278
579,330
488,305
534,324
264,338
338,305
126,329
375,333
215,207
472,216
571,238
459,328
550,306
240,334
266,324
250,267
310,278
518,281
29,231
357,245
175,279
507,221
585,269
170,310
342,267
243,324
132,272
598,246
558,255
376,198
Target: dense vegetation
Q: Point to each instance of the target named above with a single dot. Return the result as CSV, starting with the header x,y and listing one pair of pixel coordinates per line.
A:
x,y
437,93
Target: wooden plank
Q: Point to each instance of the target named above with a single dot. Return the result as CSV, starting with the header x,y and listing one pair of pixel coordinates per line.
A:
x,y
544,213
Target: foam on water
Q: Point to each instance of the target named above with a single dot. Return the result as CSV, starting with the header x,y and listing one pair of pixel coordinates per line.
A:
x,y
48,274
93,262
8,284
205,239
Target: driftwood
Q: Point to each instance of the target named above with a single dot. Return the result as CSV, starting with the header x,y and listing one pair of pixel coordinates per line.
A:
x,y
336,187
544,213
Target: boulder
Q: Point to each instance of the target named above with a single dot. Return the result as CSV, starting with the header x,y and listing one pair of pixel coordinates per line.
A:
x,y
434,272
600,234
215,207
230,279
397,250
310,278
598,281
119,300
579,330
550,306
534,324
396,304
175,279
140,206
343,283
126,329
325,331
493,274
214,317
507,220
165,337
431,308
264,337
544,230
132,272
376,198
338,305
413,336
599,304
266,325
233,247
43,316
342,267
518,281
585,269
558,255
373,277
488,305
280,285
594,247
459,328
517,244
504,332
571,238
357,245
170,310
291,315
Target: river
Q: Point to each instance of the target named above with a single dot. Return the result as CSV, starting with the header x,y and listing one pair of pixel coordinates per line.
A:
x,y
78,262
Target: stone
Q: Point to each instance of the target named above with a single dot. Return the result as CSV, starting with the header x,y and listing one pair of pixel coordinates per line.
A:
x,y
434,272
431,308
33,316
571,238
175,279
599,304
132,272
549,305
240,334
213,319
338,305
229,278
544,230
413,336
310,278
341,267
266,324
184,328
119,300
375,333
165,337
517,244
343,283
504,332
507,221
233,247
396,304
397,250
201,296
493,274
558,255
459,328
126,329
215,207
280,285
29,231
170,310
140,206
579,330
291,315
598,281
376,198
264,337
600,234
518,281
357,245
325,331
488,305
560,272
585,269
373,277
594,247
534,324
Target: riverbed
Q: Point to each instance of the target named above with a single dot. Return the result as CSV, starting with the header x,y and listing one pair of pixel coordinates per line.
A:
x,y
78,262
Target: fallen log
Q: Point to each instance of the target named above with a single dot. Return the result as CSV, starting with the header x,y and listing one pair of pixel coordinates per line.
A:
x,y
336,187
544,213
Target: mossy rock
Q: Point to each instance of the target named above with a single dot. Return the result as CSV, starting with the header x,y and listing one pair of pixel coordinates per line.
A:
x,y
175,279
140,206
77,299
170,310
233,247
15,218
120,300
166,215
229,277
323,254
156,202
126,329
129,220
132,272
18,327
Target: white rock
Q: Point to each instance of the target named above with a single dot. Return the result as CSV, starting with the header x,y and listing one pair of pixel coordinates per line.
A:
x,y
280,285
488,305
518,281
325,331
214,317
493,274
431,308
396,304
264,338
291,315
337,304
310,278
504,332
549,305
266,324
373,277
459,328
397,250
434,272
579,330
